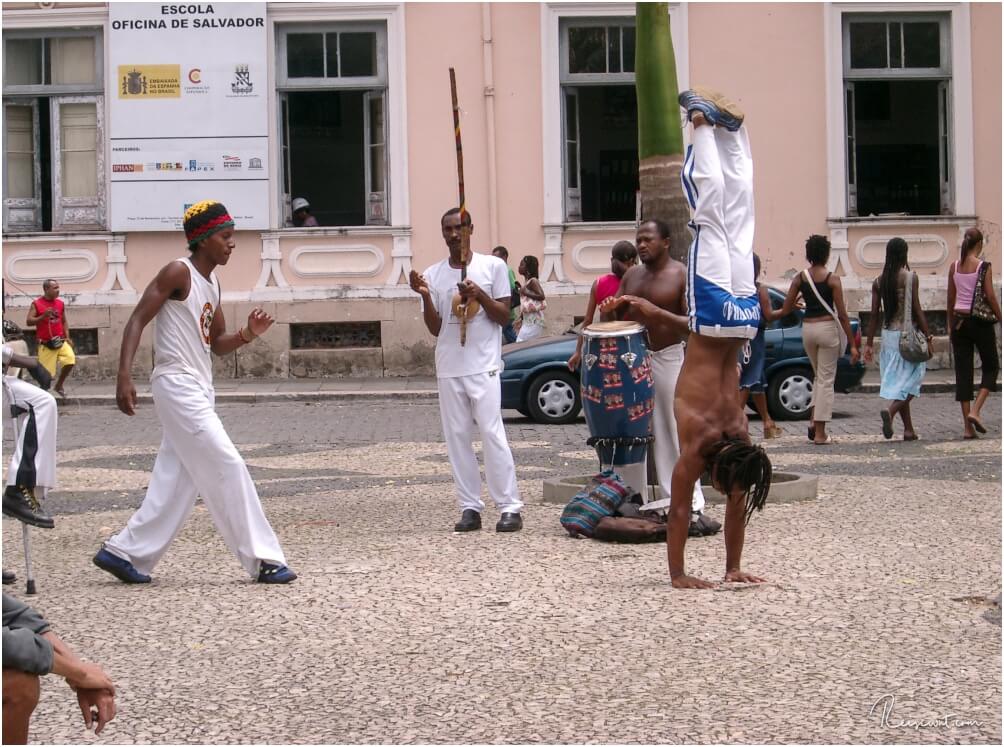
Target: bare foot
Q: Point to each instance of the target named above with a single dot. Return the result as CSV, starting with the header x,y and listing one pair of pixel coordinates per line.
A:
x,y
691,582
910,436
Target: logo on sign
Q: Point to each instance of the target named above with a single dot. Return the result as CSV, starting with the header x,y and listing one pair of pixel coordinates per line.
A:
x,y
232,162
242,84
149,81
195,75
254,164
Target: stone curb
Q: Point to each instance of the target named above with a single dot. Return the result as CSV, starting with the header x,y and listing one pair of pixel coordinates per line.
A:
x,y
788,487
108,400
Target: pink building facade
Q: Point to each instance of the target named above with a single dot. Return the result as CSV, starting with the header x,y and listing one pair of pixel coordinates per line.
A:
x,y
868,120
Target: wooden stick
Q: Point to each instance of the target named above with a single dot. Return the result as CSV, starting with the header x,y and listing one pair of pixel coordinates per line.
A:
x,y
465,229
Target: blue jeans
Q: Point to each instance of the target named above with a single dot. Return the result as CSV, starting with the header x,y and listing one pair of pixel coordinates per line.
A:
x,y
508,333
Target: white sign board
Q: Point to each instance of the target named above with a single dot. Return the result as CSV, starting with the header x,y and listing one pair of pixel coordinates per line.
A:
x,y
188,112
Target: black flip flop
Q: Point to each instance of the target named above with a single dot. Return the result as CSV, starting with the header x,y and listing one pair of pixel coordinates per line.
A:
x,y
975,422
886,424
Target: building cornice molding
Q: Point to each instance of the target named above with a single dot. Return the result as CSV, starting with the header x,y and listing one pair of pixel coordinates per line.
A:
x,y
31,16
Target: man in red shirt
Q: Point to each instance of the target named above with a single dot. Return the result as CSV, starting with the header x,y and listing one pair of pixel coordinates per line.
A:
x,y
47,314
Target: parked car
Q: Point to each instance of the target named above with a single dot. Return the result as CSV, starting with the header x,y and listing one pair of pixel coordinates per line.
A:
x,y
536,380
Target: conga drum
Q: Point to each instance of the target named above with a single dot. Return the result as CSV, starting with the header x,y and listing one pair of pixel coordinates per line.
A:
x,y
617,391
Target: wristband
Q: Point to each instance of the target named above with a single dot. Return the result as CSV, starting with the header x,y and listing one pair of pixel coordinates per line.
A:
x,y
247,340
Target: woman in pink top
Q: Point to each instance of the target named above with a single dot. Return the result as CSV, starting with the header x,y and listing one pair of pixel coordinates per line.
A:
x,y
969,332
622,256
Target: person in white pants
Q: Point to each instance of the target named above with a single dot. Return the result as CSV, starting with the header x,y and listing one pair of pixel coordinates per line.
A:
x,y
661,281
196,455
32,467
470,390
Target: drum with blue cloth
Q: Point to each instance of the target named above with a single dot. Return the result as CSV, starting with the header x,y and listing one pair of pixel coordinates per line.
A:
x,y
617,391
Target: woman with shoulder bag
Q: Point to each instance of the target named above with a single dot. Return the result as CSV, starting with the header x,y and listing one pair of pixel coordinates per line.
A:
x,y
825,330
905,350
532,303
973,311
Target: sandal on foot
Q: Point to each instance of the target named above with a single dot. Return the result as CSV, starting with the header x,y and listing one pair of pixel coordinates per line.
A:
x,y
975,422
812,433
886,424
969,438
914,437
828,442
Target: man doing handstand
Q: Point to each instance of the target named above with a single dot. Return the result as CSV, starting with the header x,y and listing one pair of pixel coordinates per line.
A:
x,y
723,313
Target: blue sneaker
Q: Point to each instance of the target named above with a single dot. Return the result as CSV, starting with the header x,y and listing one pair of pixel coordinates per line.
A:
x,y
717,109
123,570
270,573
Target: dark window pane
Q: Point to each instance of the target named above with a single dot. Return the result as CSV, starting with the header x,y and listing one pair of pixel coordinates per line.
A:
x,y
895,45
629,49
24,62
358,54
868,45
921,42
572,166
587,50
850,137
305,55
614,49
331,55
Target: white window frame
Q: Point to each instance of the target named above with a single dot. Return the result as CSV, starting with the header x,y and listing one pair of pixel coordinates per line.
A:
x,y
552,123
285,83
68,214
283,15
962,157
58,89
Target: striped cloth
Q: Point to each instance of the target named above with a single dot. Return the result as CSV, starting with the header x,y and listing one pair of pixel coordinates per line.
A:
x,y
601,497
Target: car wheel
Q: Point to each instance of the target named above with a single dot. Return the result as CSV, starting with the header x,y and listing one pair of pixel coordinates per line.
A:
x,y
553,398
789,394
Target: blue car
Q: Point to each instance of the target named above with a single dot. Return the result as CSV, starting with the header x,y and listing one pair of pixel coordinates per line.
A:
x,y
536,380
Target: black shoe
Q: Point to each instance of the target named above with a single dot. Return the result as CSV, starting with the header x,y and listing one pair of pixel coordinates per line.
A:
x,y
470,521
121,568
21,503
702,526
509,523
9,577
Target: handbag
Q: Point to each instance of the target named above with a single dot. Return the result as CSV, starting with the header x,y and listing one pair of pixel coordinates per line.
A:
x,y
826,307
912,342
981,309
54,343
600,498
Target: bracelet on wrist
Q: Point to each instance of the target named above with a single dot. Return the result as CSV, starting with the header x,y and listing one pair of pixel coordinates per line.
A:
x,y
249,338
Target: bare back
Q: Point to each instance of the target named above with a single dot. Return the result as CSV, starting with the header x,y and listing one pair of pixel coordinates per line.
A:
x,y
705,407
666,288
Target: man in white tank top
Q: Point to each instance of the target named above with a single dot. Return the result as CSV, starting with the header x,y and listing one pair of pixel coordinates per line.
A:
x,y
196,457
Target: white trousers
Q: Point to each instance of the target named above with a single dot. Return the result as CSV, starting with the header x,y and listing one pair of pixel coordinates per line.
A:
x,y
666,365
466,402
529,331
33,462
718,183
196,458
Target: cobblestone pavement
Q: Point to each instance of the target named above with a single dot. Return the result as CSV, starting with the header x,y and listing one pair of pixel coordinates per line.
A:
x,y
399,631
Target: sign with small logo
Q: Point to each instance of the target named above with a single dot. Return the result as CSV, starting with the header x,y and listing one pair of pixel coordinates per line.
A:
x,y
188,117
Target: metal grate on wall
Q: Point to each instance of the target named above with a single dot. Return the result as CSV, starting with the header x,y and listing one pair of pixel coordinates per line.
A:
x,y
334,335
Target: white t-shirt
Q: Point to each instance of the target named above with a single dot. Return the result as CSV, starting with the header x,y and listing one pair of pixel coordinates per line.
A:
x,y
483,350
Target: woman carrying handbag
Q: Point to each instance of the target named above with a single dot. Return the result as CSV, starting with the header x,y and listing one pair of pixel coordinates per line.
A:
x,y
905,350
973,311
825,330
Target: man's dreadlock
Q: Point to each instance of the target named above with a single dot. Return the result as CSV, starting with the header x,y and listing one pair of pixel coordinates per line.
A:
x,y
735,463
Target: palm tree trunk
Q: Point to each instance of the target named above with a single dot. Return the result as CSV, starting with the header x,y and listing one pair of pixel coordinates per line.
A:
x,y
660,131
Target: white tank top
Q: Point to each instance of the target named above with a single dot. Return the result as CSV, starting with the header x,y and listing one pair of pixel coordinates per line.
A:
x,y
181,340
